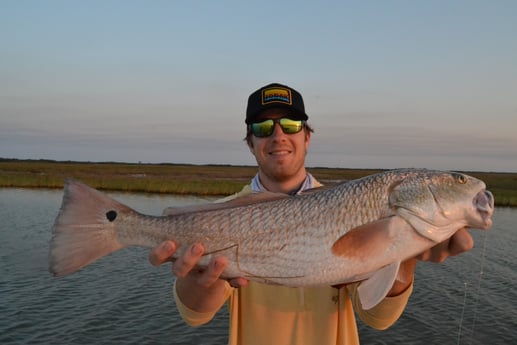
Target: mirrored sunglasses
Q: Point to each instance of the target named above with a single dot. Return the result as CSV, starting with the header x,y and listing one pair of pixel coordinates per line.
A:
x,y
265,128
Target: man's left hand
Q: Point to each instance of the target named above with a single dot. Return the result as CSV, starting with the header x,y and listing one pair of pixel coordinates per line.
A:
x,y
458,243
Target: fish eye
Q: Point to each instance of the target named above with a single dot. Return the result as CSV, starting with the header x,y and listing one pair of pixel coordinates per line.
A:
x,y
460,178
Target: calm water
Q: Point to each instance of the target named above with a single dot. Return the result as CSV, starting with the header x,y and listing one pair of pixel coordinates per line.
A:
x,y
122,299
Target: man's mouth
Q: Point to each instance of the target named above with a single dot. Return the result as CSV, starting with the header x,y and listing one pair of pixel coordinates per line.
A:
x,y
279,152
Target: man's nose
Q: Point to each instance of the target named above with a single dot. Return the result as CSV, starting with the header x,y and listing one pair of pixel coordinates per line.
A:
x,y
277,131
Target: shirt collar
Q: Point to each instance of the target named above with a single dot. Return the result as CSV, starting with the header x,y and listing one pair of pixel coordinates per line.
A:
x,y
308,183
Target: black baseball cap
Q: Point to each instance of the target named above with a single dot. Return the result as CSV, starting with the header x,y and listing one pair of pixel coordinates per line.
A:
x,y
275,96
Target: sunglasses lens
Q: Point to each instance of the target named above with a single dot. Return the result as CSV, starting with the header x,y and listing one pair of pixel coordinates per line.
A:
x,y
263,129
291,126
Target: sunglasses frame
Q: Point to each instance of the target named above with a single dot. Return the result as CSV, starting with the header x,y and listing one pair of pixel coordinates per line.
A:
x,y
275,121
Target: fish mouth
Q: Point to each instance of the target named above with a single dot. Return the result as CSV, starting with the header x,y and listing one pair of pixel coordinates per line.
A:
x,y
483,202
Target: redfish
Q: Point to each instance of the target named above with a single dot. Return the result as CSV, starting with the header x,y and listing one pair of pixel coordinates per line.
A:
x,y
356,231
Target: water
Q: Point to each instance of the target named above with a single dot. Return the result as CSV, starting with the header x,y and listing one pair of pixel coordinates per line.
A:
x,y
122,299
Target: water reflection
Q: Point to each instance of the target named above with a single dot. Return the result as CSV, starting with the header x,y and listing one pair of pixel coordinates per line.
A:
x,y
123,299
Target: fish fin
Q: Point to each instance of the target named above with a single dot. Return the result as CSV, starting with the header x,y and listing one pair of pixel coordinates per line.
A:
x,y
316,189
374,289
361,242
83,230
245,200
372,239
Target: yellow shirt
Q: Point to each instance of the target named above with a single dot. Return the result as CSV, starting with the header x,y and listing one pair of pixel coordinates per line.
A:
x,y
271,314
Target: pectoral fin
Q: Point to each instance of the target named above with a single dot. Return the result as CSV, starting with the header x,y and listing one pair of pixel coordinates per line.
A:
x,y
369,239
374,289
376,239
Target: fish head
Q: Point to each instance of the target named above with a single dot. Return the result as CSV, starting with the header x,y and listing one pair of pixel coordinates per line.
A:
x,y
437,204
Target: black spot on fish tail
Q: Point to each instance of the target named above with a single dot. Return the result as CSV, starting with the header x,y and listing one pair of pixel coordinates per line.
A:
x,y
111,215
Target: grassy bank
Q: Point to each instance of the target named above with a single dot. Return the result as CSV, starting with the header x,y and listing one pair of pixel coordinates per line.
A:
x,y
188,179
152,178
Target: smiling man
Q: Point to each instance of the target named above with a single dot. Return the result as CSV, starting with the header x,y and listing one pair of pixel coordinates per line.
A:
x,y
278,136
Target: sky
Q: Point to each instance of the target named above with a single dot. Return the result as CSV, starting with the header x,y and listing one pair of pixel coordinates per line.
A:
x,y
386,84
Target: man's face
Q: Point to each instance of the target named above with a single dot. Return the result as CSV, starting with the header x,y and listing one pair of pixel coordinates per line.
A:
x,y
280,156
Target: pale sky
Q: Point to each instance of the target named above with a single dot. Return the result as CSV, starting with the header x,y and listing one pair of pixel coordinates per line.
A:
x,y
386,84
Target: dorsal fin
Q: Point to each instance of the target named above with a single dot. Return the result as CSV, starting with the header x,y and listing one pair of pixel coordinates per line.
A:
x,y
245,200
316,190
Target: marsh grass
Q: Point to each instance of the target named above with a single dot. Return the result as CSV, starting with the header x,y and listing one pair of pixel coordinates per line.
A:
x,y
189,179
153,178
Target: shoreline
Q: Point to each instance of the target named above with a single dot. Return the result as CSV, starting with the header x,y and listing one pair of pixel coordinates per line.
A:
x,y
204,180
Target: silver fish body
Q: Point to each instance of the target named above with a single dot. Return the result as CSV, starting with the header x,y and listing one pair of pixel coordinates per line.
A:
x,y
355,231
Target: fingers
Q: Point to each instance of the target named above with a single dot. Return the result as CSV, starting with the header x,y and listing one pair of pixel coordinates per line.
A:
x,y
437,254
213,271
238,282
187,264
461,242
162,253
458,243
188,261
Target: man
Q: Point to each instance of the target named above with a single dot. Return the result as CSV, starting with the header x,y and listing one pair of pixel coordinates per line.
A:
x,y
279,137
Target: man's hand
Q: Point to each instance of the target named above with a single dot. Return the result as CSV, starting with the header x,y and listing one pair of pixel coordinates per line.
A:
x,y
186,265
458,243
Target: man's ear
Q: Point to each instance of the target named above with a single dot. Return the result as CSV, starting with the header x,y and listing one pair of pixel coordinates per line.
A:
x,y
307,139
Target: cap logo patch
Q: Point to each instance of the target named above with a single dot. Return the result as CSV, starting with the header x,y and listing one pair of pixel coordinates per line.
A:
x,y
276,95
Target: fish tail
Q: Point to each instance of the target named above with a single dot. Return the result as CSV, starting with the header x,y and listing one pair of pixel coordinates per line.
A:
x,y
83,231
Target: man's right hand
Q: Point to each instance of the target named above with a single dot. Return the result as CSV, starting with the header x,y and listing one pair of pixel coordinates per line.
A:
x,y
185,265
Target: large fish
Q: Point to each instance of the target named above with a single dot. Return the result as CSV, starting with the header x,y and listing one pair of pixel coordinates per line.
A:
x,y
359,230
